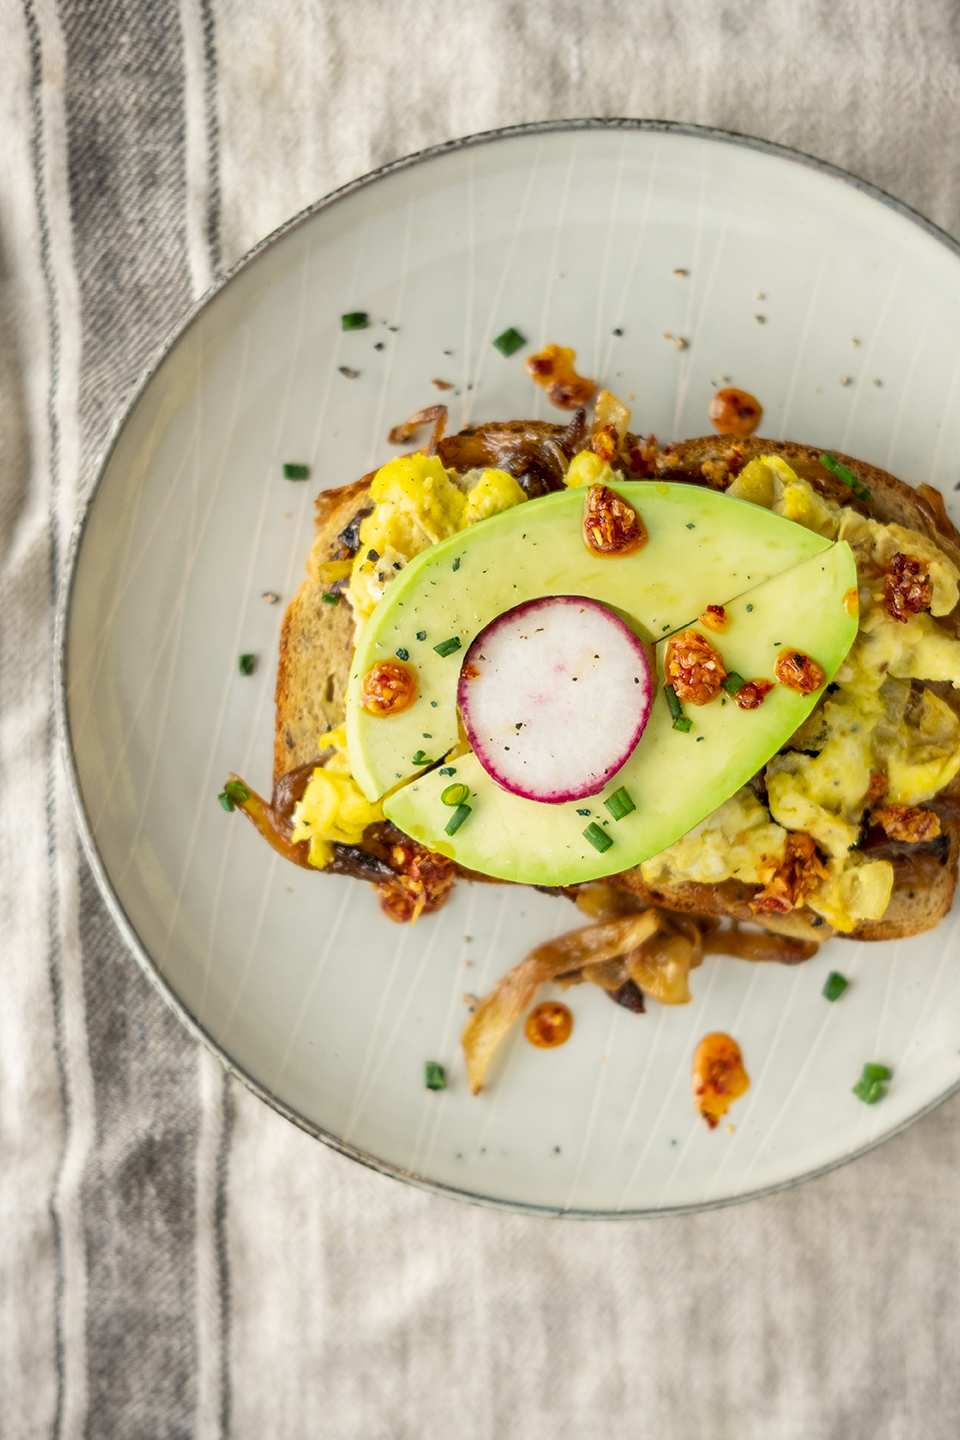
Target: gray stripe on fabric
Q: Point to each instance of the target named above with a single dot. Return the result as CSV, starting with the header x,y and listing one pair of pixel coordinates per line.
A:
x,y
126,134
213,135
228,1121
139,1203
125,137
54,956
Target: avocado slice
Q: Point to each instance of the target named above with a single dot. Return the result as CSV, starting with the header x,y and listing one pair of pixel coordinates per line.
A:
x,y
703,547
674,779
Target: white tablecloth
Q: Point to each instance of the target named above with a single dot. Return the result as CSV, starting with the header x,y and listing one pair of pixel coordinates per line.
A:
x,y
175,1259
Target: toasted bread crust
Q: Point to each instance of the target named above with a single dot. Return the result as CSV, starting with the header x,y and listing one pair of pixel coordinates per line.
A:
x,y
316,648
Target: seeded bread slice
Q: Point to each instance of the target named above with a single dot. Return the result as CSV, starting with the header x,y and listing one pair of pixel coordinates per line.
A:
x,y
316,648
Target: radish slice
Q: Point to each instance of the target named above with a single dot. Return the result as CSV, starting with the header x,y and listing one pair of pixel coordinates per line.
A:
x,y
555,694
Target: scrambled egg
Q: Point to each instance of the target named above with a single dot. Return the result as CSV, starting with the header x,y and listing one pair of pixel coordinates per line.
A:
x,y
588,469
333,808
416,504
873,722
729,845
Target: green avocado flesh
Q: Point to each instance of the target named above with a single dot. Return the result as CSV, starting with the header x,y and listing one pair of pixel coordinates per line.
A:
x,y
788,586
703,548
674,779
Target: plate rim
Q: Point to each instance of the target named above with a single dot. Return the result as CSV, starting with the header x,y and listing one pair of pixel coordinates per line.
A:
x,y
99,466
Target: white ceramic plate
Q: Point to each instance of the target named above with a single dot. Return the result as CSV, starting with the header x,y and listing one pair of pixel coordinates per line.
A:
x,y
797,278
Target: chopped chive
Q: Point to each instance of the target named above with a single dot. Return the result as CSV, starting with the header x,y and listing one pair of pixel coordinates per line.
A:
x,y
403,654
422,758
685,725
597,838
733,683
356,320
835,986
749,609
619,804
870,1087
292,471
233,793
456,563
448,770
831,463
421,634
246,663
447,647
673,702
434,1076
457,819
330,599
509,341
455,795
583,812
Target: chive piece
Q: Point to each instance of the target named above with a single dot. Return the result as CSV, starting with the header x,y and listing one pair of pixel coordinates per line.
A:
x,y
237,791
835,986
455,795
456,563
673,702
292,471
356,320
619,804
583,812
870,1087
831,463
685,725
226,801
448,770
246,664
457,819
422,758
434,1076
509,341
598,838
421,634
733,683
330,599
403,654
447,647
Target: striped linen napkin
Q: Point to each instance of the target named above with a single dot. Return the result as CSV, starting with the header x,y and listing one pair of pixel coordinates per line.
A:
x,y
175,1259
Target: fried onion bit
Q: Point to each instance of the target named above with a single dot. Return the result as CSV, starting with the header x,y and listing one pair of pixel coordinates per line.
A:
x,y
553,369
906,587
611,528
694,668
435,415
904,822
511,995
786,882
798,672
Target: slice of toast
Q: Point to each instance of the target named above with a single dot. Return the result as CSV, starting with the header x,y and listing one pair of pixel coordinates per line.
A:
x,y
316,642
316,648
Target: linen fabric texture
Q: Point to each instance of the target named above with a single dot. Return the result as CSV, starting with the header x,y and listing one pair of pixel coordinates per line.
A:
x,y
175,1259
